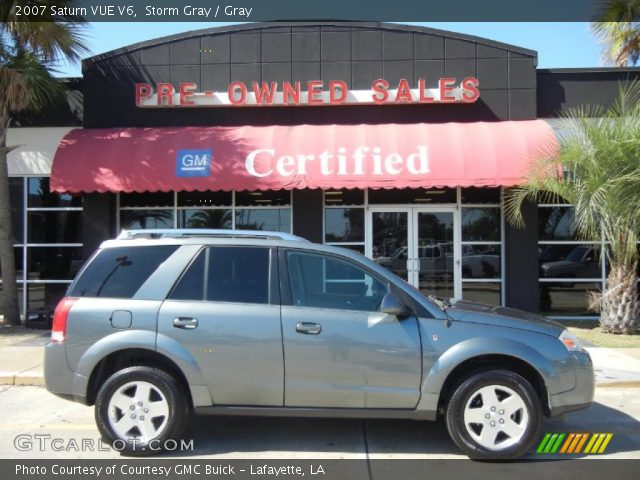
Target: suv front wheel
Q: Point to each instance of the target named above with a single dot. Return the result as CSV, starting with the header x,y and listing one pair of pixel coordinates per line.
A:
x,y
494,414
138,409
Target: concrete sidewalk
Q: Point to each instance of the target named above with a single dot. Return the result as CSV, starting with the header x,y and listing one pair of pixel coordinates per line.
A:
x,y
22,361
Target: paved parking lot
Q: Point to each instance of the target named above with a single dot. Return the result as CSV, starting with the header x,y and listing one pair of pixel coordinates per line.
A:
x,y
30,411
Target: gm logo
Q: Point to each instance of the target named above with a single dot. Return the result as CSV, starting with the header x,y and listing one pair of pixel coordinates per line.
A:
x,y
193,163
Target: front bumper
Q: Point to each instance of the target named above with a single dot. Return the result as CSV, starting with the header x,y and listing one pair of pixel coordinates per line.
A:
x,y
581,396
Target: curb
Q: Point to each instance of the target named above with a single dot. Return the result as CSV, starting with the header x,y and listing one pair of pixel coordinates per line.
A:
x,y
619,384
21,379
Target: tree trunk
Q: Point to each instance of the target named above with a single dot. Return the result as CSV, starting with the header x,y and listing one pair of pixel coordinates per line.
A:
x,y
620,304
7,260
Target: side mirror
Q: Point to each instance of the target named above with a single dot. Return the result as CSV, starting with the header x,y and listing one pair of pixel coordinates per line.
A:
x,y
391,305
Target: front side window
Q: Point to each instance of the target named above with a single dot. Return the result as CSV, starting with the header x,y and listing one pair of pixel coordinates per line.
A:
x,y
328,282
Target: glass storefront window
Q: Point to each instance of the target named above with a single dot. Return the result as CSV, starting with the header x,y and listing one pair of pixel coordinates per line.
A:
x,y
205,199
481,261
263,198
570,261
488,293
17,208
57,226
39,195
566,298
418,196
355,248
146,199
344,196
42,299
556,223
48,220
481,224
54,263
205,218
143,219
344,224
272,219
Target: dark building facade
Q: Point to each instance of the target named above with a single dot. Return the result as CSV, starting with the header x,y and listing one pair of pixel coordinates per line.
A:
x,y
449,239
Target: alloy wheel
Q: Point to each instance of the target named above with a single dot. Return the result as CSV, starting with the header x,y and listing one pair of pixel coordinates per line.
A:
x,y
496,417
138,411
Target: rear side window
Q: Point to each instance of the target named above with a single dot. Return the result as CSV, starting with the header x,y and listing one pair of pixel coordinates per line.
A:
x,y
228,274
120,272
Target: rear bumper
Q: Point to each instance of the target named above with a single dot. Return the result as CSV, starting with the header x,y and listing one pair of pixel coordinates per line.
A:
x,y
59,379
581,396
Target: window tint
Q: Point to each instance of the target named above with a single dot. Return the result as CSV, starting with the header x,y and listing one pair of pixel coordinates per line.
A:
x,y
191,284
238,274
120,272
327,282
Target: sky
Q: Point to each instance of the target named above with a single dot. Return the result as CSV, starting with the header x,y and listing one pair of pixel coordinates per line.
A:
x,y
558,44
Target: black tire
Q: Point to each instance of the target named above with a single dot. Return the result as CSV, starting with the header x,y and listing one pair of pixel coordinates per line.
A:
x,y
469,387
175,422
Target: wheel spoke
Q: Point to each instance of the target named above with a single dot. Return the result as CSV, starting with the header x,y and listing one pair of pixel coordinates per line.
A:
x,y
512,429
474,415
147,429
512,404
123,425
143,391
122,401
489,397
158,409
488,436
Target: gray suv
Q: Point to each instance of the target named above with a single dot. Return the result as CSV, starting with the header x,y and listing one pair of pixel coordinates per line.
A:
x,y
162,324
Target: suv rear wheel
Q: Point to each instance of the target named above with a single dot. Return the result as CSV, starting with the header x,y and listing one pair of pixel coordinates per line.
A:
x,y
494,414
139,408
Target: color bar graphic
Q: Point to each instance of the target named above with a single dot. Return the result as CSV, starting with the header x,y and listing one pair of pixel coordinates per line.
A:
x,y
552,442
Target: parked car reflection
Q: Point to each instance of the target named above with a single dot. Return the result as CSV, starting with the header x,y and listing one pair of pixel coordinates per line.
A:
x,y
581,262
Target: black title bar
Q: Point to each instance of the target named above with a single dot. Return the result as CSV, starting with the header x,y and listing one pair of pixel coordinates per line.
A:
x,y
304,10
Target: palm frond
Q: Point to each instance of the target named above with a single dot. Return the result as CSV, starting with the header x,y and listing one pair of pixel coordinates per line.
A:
x,y
598,153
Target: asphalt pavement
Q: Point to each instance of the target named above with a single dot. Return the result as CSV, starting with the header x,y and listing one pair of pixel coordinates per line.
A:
x,y
36,424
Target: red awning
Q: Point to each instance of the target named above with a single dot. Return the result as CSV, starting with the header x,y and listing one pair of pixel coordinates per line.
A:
x,y
301,156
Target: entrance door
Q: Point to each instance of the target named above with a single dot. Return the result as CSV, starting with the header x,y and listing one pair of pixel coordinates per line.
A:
x,y
419,244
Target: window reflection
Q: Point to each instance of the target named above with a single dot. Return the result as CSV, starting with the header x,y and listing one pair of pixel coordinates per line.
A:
x,y
47,226
193,218
144,219
556,223
272,219
566,298
344,225
39,195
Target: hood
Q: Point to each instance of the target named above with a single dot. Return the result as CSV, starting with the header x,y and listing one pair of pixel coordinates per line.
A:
x,y
471,312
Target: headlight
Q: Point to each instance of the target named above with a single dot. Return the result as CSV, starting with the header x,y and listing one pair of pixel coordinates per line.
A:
x,y
570,341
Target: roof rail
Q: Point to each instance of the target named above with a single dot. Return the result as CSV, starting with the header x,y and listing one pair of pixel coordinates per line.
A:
x,y
203,232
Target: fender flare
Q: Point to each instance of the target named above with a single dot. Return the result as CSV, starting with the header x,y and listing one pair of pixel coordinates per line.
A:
x,y
481,346
135,339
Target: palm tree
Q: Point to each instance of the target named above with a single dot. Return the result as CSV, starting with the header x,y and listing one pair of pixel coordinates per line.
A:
x,y
30,47
599,153
617,31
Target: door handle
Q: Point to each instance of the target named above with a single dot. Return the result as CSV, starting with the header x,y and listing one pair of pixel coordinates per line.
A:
x,y
185,322
308,328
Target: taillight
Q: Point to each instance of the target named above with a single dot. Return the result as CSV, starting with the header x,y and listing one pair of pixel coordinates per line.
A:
x,y
59,330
